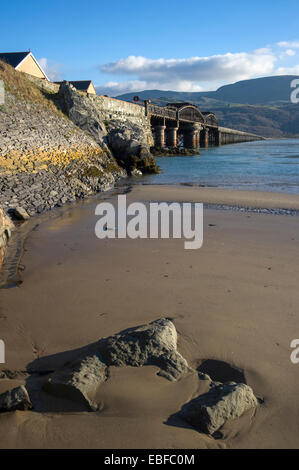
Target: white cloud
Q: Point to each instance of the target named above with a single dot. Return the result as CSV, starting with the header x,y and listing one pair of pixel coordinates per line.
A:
x,y
51,69
121,87
214,68
290,52
292,44
118,88
187,74
199,73
288,70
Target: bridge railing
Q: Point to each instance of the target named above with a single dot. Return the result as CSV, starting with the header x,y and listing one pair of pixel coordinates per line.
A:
x,y
187,115
190,114
162,111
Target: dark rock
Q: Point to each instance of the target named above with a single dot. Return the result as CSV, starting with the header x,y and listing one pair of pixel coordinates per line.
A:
x,y
20,213
15,399
174,151
129,144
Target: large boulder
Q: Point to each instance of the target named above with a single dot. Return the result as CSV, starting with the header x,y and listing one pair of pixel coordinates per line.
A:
x,y
151,344
129,144
208,412
15,399
82,112
128,141
78,381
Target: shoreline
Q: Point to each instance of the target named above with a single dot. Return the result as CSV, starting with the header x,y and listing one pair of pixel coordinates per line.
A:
x,y
218,196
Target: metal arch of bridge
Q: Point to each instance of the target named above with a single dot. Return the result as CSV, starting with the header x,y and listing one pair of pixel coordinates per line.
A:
x,y
185,112
210,119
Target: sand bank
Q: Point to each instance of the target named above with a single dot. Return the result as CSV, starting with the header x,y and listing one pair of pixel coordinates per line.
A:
x,y
250,199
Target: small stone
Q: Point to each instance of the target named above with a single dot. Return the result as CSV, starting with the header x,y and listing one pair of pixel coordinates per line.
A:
x,y
20,213
15,399
136,172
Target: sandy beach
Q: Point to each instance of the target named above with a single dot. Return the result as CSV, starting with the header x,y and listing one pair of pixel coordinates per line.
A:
x,y
234,303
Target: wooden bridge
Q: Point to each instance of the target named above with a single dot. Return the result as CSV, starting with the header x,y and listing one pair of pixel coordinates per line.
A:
x,y
179,123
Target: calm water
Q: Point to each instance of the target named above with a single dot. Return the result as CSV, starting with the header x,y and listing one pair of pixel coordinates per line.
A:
x,y
271,165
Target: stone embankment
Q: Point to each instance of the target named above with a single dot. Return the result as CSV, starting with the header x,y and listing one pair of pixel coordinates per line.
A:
x,y
56,146
46,160
128,136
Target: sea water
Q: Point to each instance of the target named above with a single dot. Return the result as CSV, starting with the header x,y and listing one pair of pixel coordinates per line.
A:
x,y
268,165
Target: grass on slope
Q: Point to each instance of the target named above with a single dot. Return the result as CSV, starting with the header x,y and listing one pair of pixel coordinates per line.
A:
x,y
22,88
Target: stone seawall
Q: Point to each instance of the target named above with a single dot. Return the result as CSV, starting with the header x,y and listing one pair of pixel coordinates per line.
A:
x,y
48,87
111,109
108,108
46,160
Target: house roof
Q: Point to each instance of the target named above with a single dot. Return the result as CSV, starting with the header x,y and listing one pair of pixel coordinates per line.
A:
x,y
79,84
16,58
13,58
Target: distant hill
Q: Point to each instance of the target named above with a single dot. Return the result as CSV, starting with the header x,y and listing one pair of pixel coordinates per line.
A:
x,y
260,105
256,91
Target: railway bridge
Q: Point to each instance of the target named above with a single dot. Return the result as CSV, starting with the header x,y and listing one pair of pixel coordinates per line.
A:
x,y
184,124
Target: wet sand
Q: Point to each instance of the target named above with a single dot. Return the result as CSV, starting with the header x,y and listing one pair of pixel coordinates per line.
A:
x,y
217,196
234,303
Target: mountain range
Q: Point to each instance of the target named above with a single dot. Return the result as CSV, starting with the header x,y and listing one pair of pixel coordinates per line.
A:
x,y
261,105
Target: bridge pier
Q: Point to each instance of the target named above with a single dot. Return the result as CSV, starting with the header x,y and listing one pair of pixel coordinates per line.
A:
x,y
191,136
218,137
204,137
172,137
160,136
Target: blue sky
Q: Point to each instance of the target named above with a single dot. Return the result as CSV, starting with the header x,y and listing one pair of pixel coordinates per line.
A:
x,y
135,44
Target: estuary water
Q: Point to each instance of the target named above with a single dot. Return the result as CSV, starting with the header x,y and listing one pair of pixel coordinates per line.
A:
x,y
269,165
